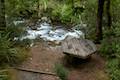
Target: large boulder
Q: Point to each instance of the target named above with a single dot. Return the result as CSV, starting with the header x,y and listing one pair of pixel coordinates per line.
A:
x,y
81,48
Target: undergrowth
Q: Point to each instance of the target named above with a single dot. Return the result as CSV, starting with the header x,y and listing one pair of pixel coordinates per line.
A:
x,y
110,49
61,71
3,75
10,55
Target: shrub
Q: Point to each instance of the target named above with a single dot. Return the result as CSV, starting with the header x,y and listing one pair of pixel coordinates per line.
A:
x,y
110,48
61,71
113,68
4,75
8,53
111,42
15,31
63,12
89,18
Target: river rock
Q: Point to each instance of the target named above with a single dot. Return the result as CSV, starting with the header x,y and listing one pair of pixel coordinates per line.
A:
x,y
81,48
45,19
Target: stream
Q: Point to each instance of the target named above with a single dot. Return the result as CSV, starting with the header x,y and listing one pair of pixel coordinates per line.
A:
x,y
47,32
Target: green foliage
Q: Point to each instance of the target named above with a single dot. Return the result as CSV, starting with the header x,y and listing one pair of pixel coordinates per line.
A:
x,y
44,3
66,14
110,48
25,8
115,6
8,53
15,31
61,71
116,26
113,68
24,43
111,42
89,17
63,12
3,75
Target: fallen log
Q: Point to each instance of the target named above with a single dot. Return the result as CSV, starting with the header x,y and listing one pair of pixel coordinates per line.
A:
x,y
34,71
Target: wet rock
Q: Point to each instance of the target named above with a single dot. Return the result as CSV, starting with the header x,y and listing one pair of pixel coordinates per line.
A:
x,y
18,22
46,19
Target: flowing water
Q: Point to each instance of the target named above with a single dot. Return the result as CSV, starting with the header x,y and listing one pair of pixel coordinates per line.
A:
x,y
47,32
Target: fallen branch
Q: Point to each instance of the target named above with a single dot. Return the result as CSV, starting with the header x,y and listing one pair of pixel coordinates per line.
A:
x,y
35,71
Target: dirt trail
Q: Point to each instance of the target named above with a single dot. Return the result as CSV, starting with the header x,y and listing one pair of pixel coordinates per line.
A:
x,y
43,59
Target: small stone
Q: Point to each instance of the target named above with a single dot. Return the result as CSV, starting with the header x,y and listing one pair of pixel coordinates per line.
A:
x,y
31,59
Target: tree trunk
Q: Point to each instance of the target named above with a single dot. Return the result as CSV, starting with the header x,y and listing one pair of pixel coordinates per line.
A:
x,y
109,21
72,3
2,15
99,21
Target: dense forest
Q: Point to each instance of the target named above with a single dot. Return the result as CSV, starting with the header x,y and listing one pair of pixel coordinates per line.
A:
x,y
28,26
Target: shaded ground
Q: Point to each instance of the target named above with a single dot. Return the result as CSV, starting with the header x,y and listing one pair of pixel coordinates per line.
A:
x,y
90,69
43,59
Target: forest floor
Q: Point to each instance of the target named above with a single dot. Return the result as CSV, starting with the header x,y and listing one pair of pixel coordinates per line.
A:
x,y
43,58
